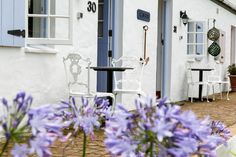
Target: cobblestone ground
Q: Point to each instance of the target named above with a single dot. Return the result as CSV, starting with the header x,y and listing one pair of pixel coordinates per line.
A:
x,y
223,110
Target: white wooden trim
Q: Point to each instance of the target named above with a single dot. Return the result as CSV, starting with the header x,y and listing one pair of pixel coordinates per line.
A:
x,y
196,43
40,49
44,15
49,41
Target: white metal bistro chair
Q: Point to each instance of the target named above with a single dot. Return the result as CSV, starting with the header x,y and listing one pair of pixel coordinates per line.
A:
x,y
130,80
192,83
216,79
77,71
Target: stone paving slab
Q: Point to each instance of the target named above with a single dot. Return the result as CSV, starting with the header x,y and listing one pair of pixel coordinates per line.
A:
x,y
222,110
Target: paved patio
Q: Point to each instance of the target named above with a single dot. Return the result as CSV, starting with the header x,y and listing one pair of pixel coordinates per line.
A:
x,y
223,110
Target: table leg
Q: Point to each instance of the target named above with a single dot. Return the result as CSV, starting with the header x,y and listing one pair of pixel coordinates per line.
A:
x,y
109,81
109,84
200,86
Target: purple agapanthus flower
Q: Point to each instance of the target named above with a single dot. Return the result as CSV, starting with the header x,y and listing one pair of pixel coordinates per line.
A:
x,y
86,116
20,150
43,122
41,143
160,131
219,128
12,114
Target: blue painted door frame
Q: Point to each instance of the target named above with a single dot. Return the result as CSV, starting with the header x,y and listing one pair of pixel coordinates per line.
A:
x,y
166,51
103,42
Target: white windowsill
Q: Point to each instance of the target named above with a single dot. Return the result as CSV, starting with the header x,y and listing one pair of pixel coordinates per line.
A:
x,y
196,57
40,49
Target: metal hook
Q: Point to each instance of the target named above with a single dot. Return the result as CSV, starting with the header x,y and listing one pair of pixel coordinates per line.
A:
x,y
214,21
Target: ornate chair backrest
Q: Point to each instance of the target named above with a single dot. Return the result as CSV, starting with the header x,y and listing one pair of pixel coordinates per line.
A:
x,y
77,71
130,79
216,74
190,64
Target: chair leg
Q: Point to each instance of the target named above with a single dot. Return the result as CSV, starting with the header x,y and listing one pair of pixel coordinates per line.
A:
x,y
187,92
213,90
220,85
227,95
192,96
207,93
114,103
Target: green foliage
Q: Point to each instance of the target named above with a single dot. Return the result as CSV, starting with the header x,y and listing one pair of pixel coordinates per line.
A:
x,y
232,69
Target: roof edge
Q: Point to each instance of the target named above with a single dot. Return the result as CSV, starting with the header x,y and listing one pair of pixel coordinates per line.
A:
x,y
226,5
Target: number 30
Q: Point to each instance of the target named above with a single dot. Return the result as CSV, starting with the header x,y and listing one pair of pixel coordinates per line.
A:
x,y
91,7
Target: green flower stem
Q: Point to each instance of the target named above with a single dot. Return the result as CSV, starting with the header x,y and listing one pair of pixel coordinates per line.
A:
x,y
151,149
4,147
84,145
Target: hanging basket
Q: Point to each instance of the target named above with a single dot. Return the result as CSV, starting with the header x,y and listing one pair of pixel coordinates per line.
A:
x,y
214,49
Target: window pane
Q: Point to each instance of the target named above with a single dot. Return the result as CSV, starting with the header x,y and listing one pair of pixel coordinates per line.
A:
x,y
199,38
59,28
190,49
59,7
191,37
37,6
199,27
195,49
37,27
199,49
191,27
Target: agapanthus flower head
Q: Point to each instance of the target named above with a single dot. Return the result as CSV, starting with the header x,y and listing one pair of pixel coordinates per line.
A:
x,y
44,119
219,128
41,143
12,115
20,150
159,130
87,116
43,122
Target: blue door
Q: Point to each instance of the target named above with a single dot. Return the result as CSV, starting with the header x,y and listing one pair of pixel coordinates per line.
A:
x,y
104,23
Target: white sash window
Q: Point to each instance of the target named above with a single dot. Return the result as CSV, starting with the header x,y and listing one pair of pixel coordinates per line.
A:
x,y
196,38
38,22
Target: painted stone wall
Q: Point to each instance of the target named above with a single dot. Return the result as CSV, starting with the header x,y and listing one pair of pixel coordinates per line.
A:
x,y
133,41
199,10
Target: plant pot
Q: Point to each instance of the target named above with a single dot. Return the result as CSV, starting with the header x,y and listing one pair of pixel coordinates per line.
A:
x,y
233,82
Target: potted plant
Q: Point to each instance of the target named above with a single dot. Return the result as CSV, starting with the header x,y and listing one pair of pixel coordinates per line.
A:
x,y
232,76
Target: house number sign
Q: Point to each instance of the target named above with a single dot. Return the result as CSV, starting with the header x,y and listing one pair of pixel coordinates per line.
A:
x,y
92,7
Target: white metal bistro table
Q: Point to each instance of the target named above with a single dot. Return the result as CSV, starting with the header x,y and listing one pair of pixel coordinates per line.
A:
x,y
110,70
201,70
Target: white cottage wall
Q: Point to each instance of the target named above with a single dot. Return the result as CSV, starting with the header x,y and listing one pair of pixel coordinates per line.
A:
x,y
133,42
42,74
196,10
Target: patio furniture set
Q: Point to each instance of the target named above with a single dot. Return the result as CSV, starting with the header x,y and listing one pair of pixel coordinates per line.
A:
x,y
213,79
127,72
